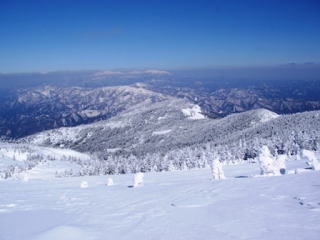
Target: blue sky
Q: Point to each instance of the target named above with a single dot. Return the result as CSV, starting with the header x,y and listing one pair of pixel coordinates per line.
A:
x,y
75,35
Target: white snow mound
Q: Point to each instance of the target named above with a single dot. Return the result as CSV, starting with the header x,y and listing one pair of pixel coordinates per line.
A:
x,y
193,113
64,233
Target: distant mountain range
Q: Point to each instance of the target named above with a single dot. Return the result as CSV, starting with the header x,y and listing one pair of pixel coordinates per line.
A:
x,y
27,111
224,101
33,110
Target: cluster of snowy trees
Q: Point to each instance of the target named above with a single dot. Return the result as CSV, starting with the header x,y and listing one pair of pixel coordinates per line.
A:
x,y
276,164
190,144
313,159
271,158
17,159
282,141
233,139
271,165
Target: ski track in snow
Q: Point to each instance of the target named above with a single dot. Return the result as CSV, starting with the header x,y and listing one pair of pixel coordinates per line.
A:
x,y
170,205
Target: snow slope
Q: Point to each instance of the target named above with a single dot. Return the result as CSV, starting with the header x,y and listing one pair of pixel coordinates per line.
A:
x,y
171,205
193,113
151,128
160,134
38,162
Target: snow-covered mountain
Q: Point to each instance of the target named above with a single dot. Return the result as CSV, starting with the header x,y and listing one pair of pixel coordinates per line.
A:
x,y
226,100
27,111
129,128
34,110
175,133
148,128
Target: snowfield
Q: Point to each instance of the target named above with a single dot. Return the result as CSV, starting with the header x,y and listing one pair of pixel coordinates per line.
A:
x,y
193,113
170,205
161,132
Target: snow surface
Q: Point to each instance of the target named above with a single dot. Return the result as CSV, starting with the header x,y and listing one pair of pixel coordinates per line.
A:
x,y
193,112
138,179
90,113
264,116
69,134
162,132
48,170
171,205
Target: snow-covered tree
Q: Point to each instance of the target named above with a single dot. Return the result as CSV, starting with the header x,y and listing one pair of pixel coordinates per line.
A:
x,y
110,181
267,162
138,179
216,169
312,159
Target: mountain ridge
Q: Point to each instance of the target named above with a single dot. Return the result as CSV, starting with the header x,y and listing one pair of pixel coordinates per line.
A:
x,y
45,108
33,110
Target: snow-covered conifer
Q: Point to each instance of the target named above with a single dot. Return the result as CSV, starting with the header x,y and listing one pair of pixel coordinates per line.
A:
x,y
216,169
138,179
110,181
312,159
171,166
267,162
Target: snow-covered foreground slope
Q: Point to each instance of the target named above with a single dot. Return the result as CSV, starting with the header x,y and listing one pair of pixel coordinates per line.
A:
x,y
171,205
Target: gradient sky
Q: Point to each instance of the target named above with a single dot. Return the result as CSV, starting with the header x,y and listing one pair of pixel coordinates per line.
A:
x,y
74,34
